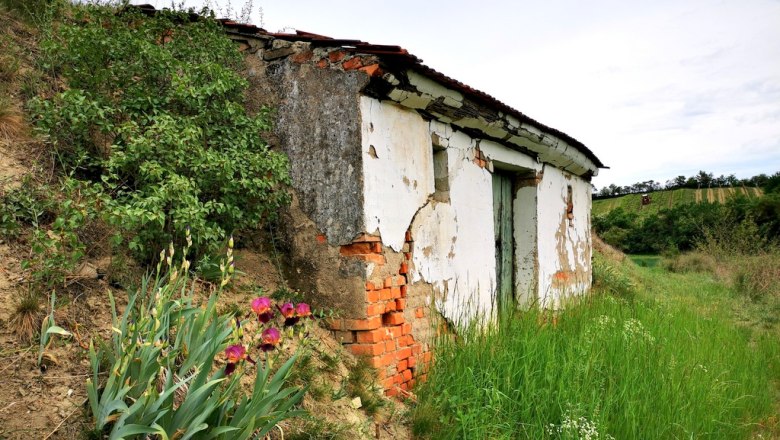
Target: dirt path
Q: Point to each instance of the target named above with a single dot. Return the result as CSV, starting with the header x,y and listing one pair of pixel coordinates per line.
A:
x,y
697,195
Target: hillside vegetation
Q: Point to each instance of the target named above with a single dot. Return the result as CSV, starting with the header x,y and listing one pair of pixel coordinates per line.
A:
x,y
667,199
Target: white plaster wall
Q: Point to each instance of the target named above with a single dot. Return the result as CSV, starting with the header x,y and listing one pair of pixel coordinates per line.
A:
x,y
564,250
454,242
398,181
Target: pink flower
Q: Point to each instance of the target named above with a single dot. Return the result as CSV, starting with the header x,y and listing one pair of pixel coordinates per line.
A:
x,y
262,307
302,310
270,339
235,353
288,310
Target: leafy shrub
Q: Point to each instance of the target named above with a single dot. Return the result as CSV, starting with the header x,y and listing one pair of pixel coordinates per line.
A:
x,y
164,377
153,113
27,204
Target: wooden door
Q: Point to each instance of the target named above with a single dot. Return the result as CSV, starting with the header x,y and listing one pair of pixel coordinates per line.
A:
x,y
502,225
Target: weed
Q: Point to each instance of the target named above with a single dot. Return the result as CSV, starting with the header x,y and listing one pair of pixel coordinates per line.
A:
x,y
316,428
26,319
361,383
331,362
12,123
426,420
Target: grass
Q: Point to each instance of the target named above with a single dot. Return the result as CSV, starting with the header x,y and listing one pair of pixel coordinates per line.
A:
x,y
670,363
26,319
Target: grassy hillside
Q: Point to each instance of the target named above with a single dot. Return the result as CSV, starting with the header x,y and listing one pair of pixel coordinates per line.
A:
x,y
668,199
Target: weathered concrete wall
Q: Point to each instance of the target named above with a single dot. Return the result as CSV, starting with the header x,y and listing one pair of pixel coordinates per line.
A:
x,y
564,248
318,125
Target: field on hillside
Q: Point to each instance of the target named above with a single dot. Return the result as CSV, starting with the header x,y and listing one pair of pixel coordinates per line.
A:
x,y
668,199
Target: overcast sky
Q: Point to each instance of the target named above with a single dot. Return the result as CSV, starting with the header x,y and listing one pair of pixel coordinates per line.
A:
x,y
655,88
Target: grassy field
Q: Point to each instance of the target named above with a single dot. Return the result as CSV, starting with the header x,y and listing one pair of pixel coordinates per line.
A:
x,y
667,199
682,356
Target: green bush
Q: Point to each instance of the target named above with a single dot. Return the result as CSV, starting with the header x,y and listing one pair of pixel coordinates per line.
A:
x,y
165,378
153,113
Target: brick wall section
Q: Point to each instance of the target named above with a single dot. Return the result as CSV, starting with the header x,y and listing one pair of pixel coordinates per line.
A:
x,y
386,334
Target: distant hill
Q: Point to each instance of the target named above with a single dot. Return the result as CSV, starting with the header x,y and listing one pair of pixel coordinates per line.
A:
x,y
668,199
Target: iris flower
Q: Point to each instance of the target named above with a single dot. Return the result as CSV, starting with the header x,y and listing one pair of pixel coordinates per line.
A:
x,y
288,311
270,339
234,355
262,307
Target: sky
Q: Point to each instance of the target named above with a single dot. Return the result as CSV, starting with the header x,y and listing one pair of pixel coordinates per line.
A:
x,y
655,89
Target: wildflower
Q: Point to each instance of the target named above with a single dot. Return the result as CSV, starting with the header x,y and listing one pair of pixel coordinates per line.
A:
x,y
288,311
262,307
234,355
270,339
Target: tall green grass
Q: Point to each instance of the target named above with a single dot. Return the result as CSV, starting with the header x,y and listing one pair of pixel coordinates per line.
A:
x,y
654,367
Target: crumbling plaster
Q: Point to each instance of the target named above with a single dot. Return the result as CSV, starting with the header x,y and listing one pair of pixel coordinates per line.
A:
x,y
564,245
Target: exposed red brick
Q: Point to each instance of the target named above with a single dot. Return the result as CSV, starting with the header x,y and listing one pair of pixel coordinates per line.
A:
x,y
323,63
395,332
412,361
404,268
419,312
399,280
355,249
403,291
386,294
375,309
388,383
407,328
408,255
408,236
405,341
416,348
367,349
401,354
389,282
371,336
302,57
321,239
400,303
336,56
407,375
395,292
363,324
390,345
370,285
426,357
390,306
352,63
373,295
335,324
393,318
392,392
403,365
376,247
404,386
372,70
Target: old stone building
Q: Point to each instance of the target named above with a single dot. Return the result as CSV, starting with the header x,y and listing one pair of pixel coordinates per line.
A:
x,y
415,196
